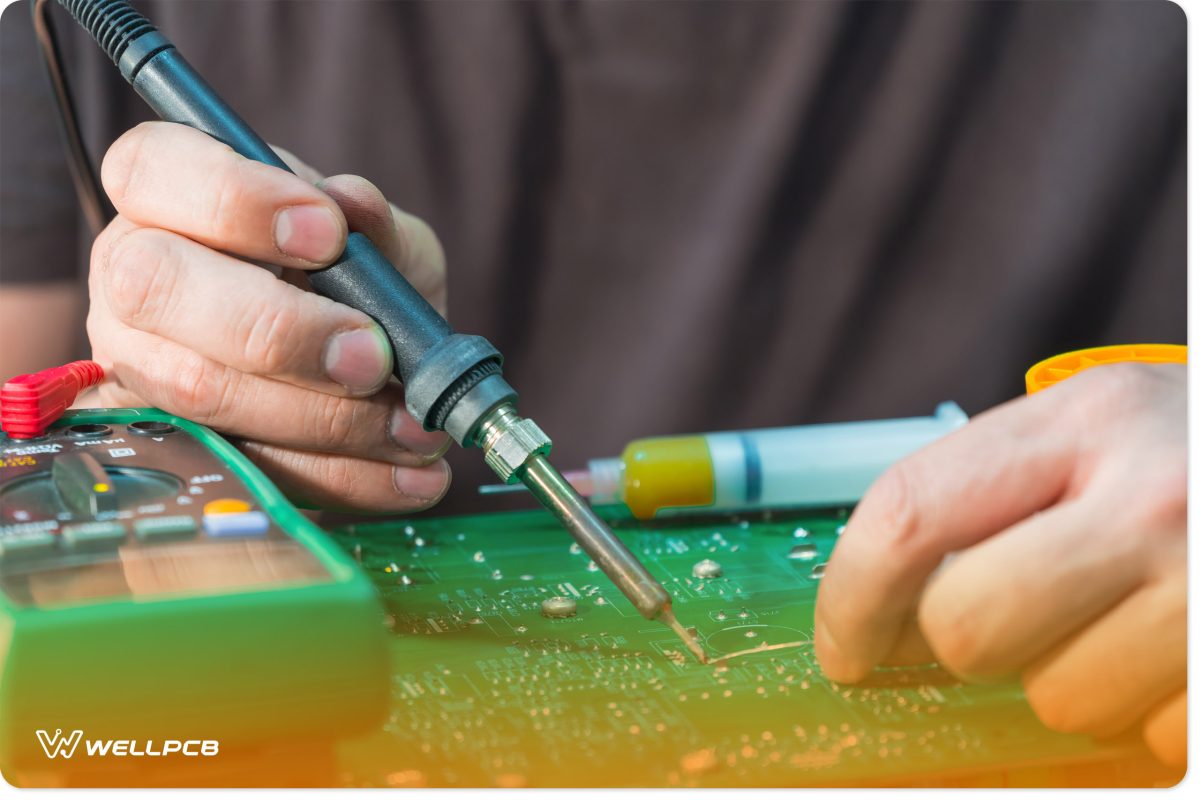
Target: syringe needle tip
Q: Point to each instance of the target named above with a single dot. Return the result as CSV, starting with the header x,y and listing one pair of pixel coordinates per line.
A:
x,y
689,641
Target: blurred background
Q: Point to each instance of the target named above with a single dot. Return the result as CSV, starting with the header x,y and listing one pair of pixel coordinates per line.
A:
x,y
689,216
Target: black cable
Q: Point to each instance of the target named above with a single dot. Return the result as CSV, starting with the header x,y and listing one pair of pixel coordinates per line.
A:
x,y
96,208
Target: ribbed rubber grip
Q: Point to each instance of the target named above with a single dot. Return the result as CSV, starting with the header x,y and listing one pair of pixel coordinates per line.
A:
x,y
112,23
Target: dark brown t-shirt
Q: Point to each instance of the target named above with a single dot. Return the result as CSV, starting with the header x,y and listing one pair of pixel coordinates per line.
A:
x,y
706,215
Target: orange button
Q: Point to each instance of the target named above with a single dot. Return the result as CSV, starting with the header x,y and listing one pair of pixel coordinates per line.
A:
x,y
226,505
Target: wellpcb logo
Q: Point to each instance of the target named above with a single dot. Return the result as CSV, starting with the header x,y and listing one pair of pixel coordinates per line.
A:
x,y
57,745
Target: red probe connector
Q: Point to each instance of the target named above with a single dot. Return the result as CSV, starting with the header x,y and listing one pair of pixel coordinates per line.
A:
x,y
29,404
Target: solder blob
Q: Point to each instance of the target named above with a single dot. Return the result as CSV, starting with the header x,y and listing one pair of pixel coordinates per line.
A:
x,y
559,607
803,552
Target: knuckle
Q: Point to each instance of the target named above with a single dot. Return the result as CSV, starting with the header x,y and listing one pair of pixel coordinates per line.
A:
x,y
341,478
266,333
891,506
94,325
335,421
1163,509
99,252
197,389
139,275
227,197
121,167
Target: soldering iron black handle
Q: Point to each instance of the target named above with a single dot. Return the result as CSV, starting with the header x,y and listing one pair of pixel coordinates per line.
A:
x,y
451,380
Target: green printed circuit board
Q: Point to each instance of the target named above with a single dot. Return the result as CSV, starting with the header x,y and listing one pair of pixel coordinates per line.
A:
x,y
489,691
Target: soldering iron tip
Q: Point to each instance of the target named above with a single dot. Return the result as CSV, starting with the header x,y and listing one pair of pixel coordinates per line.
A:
x,y
689,640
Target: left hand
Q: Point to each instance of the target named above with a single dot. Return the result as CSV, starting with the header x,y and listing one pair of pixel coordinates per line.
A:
x,y
1066,512
182,320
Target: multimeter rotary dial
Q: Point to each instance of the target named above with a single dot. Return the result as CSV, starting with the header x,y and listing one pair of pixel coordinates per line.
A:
x,y
80,485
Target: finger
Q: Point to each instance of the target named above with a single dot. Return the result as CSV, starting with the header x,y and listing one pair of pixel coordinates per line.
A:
x,y
959,490
170,176
303,170
1165,730
910,647
183,382
1055,571
343,483
239,315
101,323
405,240
1110,674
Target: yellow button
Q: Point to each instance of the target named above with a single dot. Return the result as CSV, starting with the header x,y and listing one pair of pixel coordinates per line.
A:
x,y
226,505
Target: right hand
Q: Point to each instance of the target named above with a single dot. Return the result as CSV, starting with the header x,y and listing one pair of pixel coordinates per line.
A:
x,y
181,321
1066,516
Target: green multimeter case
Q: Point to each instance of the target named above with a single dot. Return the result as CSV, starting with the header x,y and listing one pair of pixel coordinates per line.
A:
x,y
157,591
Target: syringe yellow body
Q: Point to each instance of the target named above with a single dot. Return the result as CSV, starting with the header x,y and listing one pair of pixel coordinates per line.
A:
x,y
797,467
664,473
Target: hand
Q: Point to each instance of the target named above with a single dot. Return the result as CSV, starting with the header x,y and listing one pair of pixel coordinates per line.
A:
x,y
1067,515
180,320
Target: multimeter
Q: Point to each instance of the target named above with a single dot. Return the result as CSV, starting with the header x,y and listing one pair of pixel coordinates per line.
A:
x,y
157,590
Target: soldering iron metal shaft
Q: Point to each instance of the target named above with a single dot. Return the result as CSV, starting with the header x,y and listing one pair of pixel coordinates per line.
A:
x,y
609,553
594,537
452,381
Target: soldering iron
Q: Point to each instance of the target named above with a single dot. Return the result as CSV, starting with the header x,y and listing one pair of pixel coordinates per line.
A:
x,y
452,381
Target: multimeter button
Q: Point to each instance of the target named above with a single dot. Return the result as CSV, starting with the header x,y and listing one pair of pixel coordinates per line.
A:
x,y
33,543
157,529
249,523
226,505
94,534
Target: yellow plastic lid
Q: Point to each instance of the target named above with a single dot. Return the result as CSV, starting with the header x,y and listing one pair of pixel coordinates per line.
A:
x,y
1058,368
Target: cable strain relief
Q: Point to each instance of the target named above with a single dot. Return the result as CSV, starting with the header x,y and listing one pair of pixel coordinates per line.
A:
x,y
114,24
88,373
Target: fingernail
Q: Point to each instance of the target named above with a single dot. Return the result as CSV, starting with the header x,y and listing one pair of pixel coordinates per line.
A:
x,y
360,360
426,484
408,434
312,233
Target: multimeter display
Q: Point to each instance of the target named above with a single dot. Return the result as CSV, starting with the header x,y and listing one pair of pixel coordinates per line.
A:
x,y
97,510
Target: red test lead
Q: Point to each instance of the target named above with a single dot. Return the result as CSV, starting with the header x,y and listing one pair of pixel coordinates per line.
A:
x,y
29,404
